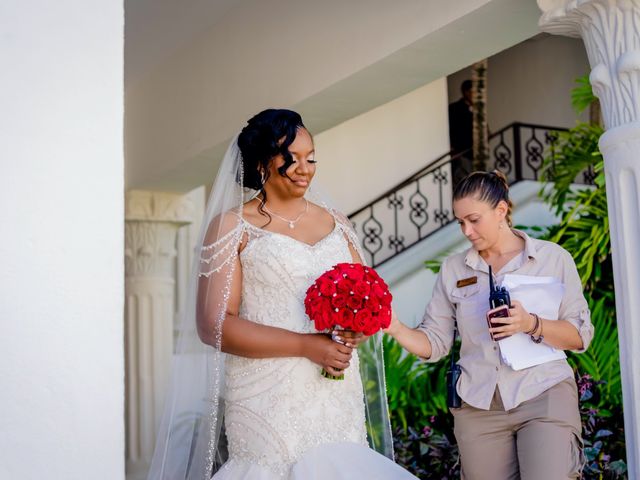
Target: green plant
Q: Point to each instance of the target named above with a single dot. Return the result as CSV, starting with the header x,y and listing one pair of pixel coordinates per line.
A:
x,y
575,152
602,434
582,96
429,452
422,427
415,389
584,232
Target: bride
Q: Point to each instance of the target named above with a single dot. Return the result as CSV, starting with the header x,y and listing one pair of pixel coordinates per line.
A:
x,y
247,398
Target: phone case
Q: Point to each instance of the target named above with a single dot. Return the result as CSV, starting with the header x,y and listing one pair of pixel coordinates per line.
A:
x,y
501,313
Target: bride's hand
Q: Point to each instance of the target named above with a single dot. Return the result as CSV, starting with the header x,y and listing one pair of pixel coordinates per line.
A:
x,y
349,338
333,356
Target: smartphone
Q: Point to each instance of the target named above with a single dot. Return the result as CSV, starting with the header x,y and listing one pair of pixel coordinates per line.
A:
x,y
501,312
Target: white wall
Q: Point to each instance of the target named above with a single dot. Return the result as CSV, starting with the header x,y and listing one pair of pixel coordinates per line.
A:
x,y
531,82
62,217
365,156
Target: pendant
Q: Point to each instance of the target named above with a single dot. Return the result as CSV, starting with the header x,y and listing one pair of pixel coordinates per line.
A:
x,y
291,225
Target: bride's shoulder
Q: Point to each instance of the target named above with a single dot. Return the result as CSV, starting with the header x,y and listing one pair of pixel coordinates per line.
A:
x,y
223,225
325,214
340,218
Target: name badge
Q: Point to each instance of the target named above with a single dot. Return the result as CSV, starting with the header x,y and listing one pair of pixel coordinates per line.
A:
x,y
465,282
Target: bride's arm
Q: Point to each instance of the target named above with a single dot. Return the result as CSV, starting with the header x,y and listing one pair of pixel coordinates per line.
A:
x,y
248,339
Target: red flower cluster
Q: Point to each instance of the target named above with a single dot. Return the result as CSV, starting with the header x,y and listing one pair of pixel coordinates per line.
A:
x,y
350,296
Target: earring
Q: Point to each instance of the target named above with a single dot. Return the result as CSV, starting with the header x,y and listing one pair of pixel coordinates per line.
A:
x,y
262,177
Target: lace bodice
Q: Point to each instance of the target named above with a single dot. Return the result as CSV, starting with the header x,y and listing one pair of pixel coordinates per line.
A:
x,y
278,269
277,409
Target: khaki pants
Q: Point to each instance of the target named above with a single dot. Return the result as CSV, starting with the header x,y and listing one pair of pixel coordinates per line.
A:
x,y
540,439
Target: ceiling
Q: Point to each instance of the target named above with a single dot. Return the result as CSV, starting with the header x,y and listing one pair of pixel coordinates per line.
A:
x,y
154,29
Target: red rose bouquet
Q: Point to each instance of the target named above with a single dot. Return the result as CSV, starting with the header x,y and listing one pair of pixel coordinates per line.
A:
x,y
350,296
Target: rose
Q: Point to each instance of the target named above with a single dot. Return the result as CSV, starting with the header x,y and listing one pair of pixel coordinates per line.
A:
x,y
384,317
385,299
373,304
315,302
346,319
312,292
372,326
333,275
326,286
326,319
345,286
322,317
339,300
354,302
353,271
354,274
361,319
316,308
377,289
361,288
371,275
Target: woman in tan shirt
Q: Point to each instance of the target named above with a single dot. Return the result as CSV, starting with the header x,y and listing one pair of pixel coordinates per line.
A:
x,y
512,424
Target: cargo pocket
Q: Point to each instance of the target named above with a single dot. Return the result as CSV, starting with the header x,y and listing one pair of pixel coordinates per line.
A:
x,y
577,459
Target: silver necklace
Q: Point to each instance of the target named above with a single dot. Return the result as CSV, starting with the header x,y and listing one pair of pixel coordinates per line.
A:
x,y
292,223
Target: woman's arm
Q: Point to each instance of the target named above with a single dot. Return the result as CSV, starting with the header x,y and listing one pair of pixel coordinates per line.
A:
x,y
432,339
411,339
559,334
573,330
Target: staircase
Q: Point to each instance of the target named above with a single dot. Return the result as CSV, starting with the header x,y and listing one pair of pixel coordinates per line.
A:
x,y
420,206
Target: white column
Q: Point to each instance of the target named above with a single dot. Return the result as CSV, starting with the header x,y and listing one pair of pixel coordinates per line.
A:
x,y
611,33
152,223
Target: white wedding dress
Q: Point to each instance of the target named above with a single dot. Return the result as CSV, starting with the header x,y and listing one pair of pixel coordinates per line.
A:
x,y
282,418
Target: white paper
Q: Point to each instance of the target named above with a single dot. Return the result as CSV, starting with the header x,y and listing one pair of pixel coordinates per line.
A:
x,y
539,295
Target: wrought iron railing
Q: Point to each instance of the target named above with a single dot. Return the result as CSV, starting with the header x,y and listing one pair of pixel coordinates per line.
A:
x,y
421,204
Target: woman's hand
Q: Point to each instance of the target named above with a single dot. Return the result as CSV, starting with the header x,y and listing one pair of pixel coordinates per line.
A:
x,y
519,320
333,356
349,337
394,326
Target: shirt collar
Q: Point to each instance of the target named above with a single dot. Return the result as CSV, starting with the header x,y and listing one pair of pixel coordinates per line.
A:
x,y
475,261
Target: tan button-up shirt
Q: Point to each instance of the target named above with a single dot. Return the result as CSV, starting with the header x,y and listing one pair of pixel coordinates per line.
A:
x,y
480,361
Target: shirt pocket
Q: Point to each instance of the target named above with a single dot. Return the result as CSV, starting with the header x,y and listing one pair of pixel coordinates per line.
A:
x,y
471,308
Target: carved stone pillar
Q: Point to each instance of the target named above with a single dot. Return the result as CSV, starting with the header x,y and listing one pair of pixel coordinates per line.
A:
x,y
611,33
152,222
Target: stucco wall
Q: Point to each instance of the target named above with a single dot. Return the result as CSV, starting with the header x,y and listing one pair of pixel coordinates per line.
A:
x,y
62,217
531,82
365,156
